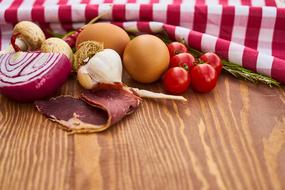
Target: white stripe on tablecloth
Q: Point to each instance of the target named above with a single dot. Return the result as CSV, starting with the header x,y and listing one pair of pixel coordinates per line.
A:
x,y
96,1
143,1
214,20
25,10
181,34
4,5
265,37
236,53
168,1
51,15
130,26
264,64
212,2
156,26
258,3
234,2
5,28
240,24
280,3
187,16
189,2
208,43
120,1
77,13
132,11
160,12
51,10
73,2
106,10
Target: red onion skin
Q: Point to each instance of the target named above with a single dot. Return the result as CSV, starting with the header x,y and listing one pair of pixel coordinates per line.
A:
x,y
51,82
71,39
13,42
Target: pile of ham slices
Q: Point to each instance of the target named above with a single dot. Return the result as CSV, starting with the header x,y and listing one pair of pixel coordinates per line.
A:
x,y
94,111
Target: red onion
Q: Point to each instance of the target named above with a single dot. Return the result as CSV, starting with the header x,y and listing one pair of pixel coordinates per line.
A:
x,y
31,76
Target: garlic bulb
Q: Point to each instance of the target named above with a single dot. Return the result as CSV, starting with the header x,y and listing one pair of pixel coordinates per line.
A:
x,y
104,67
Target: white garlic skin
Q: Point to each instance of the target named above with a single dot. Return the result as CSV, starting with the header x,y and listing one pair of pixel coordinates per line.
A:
x,y
104,67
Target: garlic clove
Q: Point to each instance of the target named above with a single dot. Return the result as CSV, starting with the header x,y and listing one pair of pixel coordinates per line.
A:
x,y
84,78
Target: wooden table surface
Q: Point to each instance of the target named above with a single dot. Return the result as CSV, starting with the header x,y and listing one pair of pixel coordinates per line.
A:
x,y
232,138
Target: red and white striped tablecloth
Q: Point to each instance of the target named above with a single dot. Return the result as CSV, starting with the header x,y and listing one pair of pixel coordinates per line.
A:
x,y
250,33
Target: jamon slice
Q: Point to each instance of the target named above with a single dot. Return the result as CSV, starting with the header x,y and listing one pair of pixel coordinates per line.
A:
x,y
95,111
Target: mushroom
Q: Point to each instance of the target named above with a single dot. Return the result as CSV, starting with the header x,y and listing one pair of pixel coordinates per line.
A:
x,y
26,36
57,45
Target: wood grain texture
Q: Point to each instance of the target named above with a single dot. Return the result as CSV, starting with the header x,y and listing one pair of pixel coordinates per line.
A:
x,y
232,138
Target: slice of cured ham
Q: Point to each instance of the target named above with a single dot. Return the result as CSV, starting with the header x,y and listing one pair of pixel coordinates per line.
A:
x,y
94,111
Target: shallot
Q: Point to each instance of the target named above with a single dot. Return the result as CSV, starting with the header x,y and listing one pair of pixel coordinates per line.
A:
x,y
57,45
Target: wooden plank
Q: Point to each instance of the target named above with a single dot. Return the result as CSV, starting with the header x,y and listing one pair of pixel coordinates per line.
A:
x,y
232,138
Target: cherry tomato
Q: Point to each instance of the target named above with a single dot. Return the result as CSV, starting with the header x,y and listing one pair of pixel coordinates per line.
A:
x,y
176,48
203,78
185,60
176,80
213,60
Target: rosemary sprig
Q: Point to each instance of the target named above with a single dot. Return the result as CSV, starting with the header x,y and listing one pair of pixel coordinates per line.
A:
x,y
231,68
240,72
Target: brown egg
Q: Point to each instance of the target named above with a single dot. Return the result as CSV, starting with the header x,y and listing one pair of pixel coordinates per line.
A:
x,y
145,58
111,35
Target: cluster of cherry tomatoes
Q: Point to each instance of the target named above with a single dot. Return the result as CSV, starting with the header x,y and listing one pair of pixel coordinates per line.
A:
x,y
185,71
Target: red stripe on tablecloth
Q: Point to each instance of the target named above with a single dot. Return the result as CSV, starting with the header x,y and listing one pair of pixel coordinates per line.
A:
x,y
222,48
153,1
120,24
119,12
278,43
85,1
173,14
170,29
0,38
177,1
246,2
38,15
62,2
270,3
253,27
223,2
200,18
278,70
91,11
145,13
11,14
144,27
131,1
249,58
38,12
65,15
227,22
200,2
195,40
108,1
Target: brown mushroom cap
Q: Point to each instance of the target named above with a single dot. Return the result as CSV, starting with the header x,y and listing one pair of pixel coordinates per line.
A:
x,y
30,33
